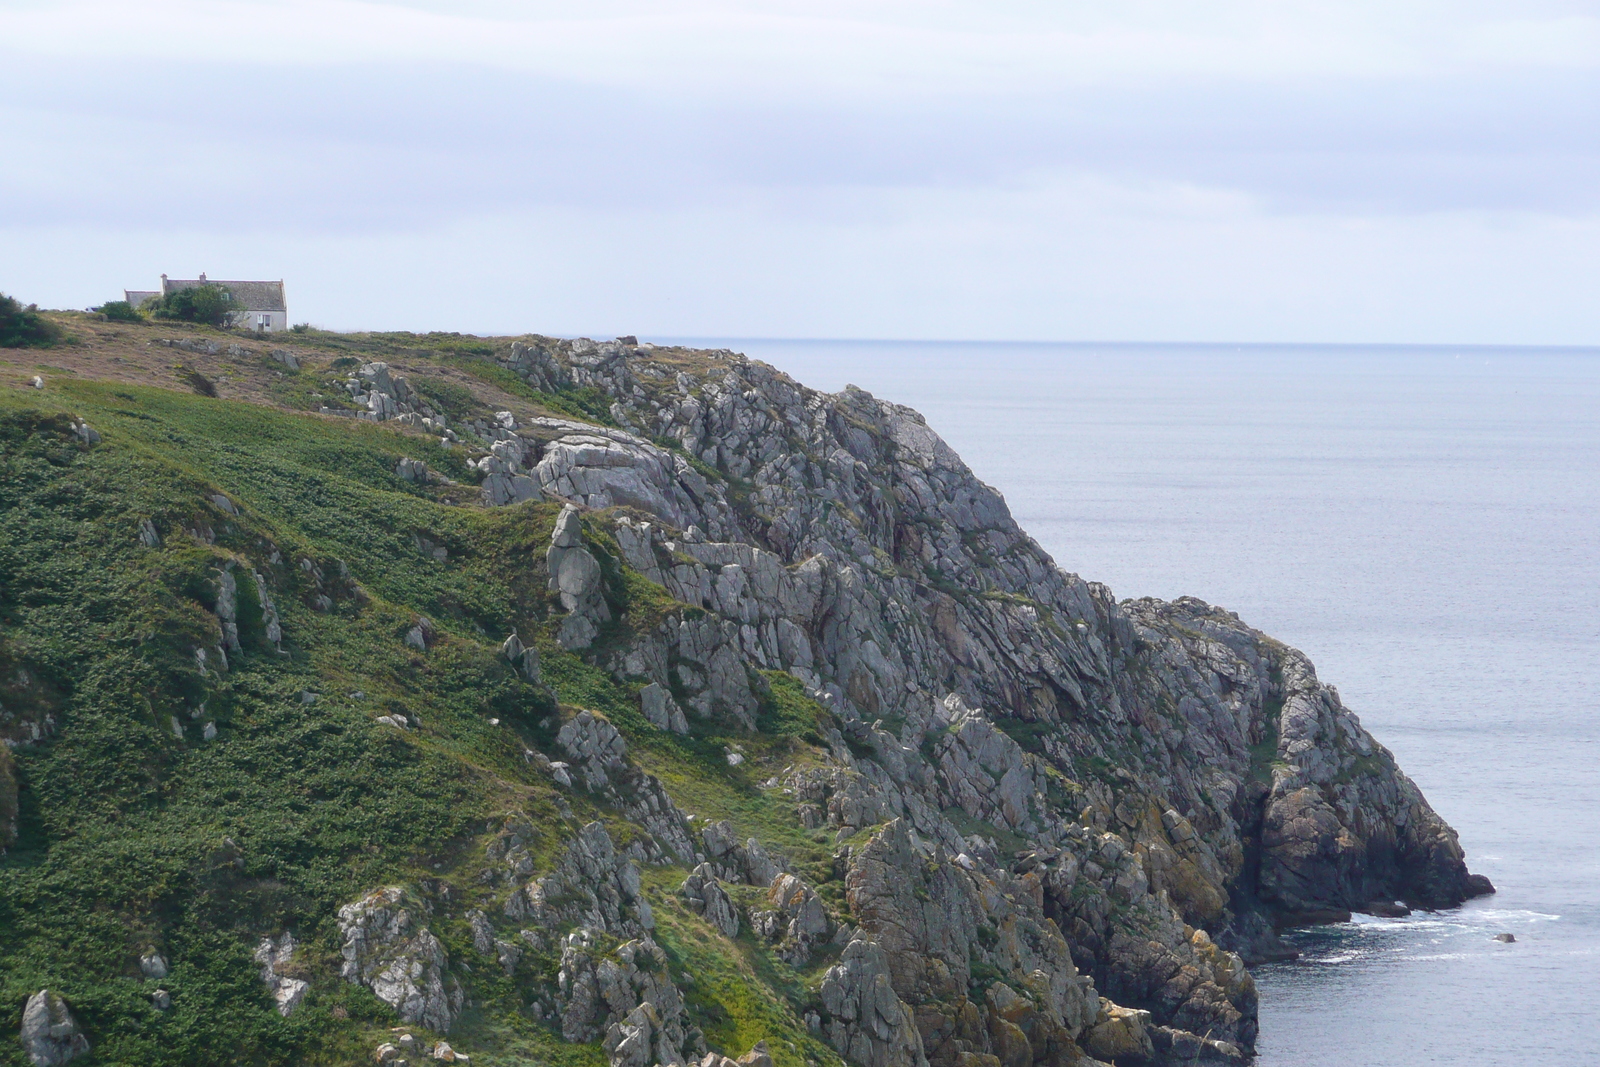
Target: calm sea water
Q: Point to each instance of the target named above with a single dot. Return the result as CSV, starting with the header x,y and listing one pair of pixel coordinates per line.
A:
x,y
1425,524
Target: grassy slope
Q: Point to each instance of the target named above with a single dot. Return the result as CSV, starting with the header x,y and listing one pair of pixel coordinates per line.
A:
x,y
132,837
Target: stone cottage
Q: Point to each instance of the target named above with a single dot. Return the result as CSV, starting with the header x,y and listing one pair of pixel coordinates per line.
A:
x,y
261,304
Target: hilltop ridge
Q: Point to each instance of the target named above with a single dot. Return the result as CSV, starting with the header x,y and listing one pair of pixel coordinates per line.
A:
x,y
592,702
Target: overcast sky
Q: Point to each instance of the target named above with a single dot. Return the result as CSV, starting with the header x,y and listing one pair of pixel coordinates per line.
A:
x,y
1163,170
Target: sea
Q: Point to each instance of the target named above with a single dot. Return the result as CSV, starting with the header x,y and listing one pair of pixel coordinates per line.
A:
x,y
1424,523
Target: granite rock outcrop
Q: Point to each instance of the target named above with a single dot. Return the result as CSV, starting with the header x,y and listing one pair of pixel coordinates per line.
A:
x,y
1067,823
388,950
50,1035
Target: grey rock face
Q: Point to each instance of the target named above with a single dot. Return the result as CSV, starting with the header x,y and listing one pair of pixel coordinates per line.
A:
x,y
504,952
269,612
594,745
421,635
796,921
524,657
576,576
605,471
748,864
1180,781
629,999
404,965
153,965
866,1021
502,488
287,992
656,702
50,1035
934,921
707,898
598,751
228,609
593,886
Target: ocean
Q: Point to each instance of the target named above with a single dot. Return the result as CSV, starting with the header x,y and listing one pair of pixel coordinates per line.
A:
x,y
1423,522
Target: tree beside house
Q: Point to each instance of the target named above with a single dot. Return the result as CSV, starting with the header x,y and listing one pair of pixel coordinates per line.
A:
x,y
257,306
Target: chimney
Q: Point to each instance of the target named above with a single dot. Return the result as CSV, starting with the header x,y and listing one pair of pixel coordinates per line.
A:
x,y
202,277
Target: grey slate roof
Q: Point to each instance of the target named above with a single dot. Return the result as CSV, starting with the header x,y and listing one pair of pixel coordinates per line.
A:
x,y
249,296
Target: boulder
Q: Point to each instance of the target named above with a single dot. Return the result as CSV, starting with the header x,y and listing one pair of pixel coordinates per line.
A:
x,y
525,658
285,991
388,950
502,488
1119,1035
575,575
796,920
50,1035
707,898
421,635
568,532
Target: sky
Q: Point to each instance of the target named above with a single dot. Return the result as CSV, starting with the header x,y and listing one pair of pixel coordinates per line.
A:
x,y
1147,170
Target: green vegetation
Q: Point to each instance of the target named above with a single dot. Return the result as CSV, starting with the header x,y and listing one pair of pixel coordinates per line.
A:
x,y
24,327
788,712
1264,753
208,305
120,311
136,831
588,405
739,993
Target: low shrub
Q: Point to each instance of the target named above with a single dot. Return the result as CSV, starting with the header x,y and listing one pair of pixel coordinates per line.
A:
x,y
120,311
209,305
24,327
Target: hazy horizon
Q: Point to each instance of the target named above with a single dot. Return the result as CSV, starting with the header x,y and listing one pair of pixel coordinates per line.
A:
x,y
1420,173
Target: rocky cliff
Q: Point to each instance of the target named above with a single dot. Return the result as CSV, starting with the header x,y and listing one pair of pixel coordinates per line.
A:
x,y
785,681
1033,779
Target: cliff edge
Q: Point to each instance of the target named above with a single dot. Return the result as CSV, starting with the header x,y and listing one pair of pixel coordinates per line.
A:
x,y
667,674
